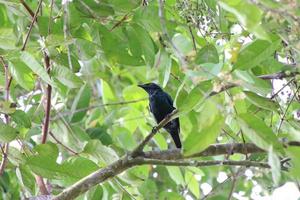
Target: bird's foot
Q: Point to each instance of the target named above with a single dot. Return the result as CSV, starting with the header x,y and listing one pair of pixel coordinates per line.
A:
x,y
154,129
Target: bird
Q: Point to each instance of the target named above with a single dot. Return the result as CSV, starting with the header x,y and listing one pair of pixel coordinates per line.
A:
x,y
161,104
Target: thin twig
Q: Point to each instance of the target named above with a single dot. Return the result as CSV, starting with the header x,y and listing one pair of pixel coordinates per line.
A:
x,y
193,39
48,102
119,22
177,52
66,29
214,189
50,17
275,94
5,149
59,142
98,106
31,25
285,112
27,8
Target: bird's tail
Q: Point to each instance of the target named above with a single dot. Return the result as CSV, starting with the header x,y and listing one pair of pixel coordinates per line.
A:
x,y
176,138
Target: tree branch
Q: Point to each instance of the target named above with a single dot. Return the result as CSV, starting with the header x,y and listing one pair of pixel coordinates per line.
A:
x,y
5,149
163,24
141,146
32,23
31,13
39,180
98,106
59,142
168,157
48,102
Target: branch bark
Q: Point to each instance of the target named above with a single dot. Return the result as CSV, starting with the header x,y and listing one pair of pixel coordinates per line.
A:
x,y
39,180
168,157
48,102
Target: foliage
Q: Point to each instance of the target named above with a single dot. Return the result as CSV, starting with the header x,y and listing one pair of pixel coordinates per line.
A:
x,y
217,59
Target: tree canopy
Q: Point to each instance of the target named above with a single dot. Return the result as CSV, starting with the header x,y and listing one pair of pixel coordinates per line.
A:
x,y
74,124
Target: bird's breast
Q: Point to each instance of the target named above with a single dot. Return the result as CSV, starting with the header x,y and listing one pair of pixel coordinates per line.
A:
x,y
160,107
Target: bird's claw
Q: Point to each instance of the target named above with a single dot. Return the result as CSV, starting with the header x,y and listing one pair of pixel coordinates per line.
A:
x,y
154,129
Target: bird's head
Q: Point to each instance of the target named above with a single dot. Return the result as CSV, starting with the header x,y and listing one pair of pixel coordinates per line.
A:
x,y
150,87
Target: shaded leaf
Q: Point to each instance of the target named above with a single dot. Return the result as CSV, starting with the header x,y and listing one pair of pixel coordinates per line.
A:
x,y
21,118
258,132
256,52
7,133
81,101
262,102
36,68
207,54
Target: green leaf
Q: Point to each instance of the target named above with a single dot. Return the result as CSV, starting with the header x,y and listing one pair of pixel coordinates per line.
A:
x,y
250,82
183,43
258,132
175,174
275,164
211,124
7,107
7,39
7,133
108,94
262,102
66,76
192,183
69,169
81,101
94,150
164,63
36,68
293,152
207,54
22,74
146,44
94,193
120,54
195,97
250,18
256,52
125,138
26,178
44,163
21,118
134,92
148,185
121,6
101,134
94,8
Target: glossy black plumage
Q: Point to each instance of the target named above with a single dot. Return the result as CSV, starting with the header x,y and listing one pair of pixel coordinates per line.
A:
x,y
161,104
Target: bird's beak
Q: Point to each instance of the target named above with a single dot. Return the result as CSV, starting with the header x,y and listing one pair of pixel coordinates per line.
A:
x,y
141,86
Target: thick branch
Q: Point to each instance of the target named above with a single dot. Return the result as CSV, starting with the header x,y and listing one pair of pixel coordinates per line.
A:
x,y
168,157
93,179
193,163
212,150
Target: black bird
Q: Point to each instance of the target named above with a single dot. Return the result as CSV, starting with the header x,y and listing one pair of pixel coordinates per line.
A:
x,y
161,104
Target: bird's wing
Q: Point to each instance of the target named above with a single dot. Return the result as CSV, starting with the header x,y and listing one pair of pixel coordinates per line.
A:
x,y
169,99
